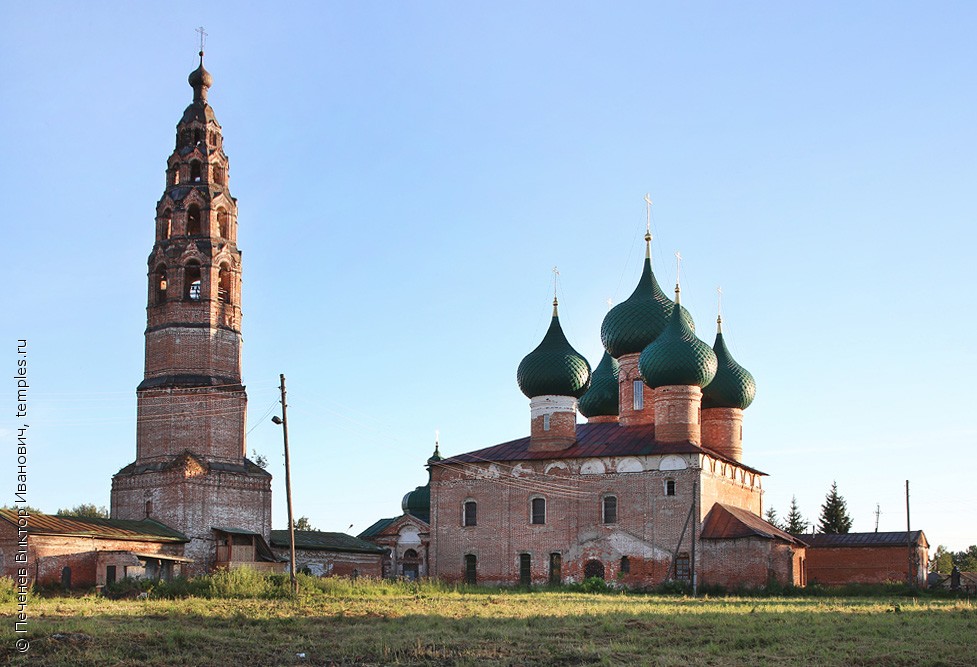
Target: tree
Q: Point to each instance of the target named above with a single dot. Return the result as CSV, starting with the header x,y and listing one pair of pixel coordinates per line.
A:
x,y
772,518
795,524
258,459
87,510
834,513
942,560
966,561
303,523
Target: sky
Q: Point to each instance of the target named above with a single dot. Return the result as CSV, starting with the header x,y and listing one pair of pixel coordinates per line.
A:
x,y
408,174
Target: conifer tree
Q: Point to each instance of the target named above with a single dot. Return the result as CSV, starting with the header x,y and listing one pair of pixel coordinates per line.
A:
x,y
772,518
795,524
834,513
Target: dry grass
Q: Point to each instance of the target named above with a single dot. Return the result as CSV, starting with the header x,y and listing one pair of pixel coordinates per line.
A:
x,y
388,624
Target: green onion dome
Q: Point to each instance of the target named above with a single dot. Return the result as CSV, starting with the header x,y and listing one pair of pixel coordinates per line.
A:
x,y
631,325
733,386
554,368
418,502
602,397
677,357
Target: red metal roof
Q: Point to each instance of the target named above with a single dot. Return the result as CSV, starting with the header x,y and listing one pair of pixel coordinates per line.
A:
x,y
601,439
727,523
146,530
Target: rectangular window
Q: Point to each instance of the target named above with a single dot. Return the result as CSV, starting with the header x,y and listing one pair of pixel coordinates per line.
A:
x,y
682,568
471,513
639,395
669,487
471,566
556,568
546,422
538,514
610,509
110,574
525,569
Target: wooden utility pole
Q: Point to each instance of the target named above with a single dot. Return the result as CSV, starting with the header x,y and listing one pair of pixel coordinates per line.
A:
x,y
288,491
910,579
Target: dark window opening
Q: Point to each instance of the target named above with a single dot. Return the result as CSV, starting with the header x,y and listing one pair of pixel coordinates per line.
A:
x,y
149,508
593,568
110,574
222,223
525,569
625,565
160,284
198,136
193,220
185,138
669,487
66,577
166,225
410,554
556,568
538,515
175,175
683,570
224,285
471,513
471,569
610,509
191,282
195,171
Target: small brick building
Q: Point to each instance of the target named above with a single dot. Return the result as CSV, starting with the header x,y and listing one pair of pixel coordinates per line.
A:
x,y
191,472
653,488
324,554
80,552
867,558
406,540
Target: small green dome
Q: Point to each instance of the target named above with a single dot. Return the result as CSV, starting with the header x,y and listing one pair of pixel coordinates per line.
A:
x,y
554,368
733,386
634,323
677,357
602,397
418,502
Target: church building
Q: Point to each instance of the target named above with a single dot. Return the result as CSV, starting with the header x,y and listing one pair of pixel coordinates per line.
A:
x,y
191,472
652,488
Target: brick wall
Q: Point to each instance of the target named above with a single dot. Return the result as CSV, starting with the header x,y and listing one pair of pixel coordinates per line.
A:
x,y
749,562
335,563
209,422
863,565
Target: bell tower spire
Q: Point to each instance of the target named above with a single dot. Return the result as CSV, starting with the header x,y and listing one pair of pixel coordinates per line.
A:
x,y
190,462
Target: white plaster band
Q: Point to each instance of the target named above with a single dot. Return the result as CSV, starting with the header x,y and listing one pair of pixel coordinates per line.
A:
x,y
548,405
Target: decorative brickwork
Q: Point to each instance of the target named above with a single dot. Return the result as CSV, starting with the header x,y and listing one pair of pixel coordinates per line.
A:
x,y
677,413
722,431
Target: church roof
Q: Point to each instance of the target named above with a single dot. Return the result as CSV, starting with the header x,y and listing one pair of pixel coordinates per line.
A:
x,y
725,522
145,530
600,439
554,368
677,356
323,541
733,386
602,397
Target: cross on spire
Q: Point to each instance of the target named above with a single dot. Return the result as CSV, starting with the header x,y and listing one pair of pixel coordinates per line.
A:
x,y
203,38
647,226
719,309
556,274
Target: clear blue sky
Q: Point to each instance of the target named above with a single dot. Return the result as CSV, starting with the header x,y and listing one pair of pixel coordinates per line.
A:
x,y
409,173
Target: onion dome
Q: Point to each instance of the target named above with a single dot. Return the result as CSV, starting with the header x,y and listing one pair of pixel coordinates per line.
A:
x,y
677,357
631,325
733,386
602,397
200,80
554,368
418,502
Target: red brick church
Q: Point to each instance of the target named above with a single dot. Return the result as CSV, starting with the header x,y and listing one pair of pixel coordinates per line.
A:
x,y
652,488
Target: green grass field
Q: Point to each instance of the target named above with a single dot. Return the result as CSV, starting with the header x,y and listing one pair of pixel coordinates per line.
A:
x,y
366,623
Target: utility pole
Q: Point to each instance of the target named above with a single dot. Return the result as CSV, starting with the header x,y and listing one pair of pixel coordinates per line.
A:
x,y
878,511
910,579
283,422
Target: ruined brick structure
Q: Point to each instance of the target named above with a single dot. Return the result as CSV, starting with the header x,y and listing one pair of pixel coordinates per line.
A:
x,y
191,472
652,489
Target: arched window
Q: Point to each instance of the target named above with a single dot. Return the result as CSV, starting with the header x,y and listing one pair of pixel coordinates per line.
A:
x,y
198,136
160,282
195,171
639,395
410,554
149,508
546,422
185,137
471,569
223,223
538,511
610,509
218,172
669,487
165,225
593,568
213,138
224,285
625,565
193,220
470,517
191,282
175,174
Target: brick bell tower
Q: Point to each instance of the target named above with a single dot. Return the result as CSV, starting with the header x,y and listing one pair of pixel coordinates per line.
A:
x,y
191,472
